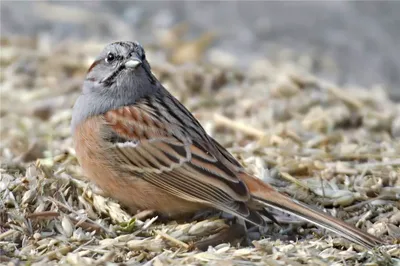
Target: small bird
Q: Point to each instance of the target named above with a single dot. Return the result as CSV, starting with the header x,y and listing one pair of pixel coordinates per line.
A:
x,y
141,146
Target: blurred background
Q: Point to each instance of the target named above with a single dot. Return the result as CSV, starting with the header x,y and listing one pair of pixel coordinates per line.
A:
x,y
361,38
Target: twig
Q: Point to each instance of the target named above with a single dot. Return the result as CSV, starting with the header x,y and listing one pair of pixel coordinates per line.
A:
x,y
84,245
86,225
172,239
145,226
362,203
105,258
227,122
7,233
341,94
42,215
53,254
294,180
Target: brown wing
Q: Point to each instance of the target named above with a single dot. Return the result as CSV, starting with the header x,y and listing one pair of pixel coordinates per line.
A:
x,y
152,143
227,155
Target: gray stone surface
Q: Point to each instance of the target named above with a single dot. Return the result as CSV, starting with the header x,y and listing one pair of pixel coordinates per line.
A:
x,y
363,38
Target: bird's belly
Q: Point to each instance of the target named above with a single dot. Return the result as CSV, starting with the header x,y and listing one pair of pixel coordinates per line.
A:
x,y
132,192
137,194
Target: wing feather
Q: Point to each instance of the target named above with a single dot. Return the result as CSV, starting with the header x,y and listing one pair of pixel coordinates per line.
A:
x,y
177,161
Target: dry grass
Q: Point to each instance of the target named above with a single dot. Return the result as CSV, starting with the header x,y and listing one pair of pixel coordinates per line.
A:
x,y
325,145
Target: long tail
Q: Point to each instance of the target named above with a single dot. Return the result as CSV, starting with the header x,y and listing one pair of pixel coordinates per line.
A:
x,y
268,196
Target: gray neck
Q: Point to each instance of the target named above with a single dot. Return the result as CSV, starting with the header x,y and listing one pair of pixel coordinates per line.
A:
x,y
85,108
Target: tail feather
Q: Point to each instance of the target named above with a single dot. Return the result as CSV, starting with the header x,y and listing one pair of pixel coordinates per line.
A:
x,y
266,195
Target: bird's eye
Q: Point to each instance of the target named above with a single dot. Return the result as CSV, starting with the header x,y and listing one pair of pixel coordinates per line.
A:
x,y
110,57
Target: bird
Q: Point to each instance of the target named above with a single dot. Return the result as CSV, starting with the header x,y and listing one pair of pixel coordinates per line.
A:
x,y
144,148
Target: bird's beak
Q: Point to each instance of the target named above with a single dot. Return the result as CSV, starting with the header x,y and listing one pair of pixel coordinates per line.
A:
x,y
133,63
